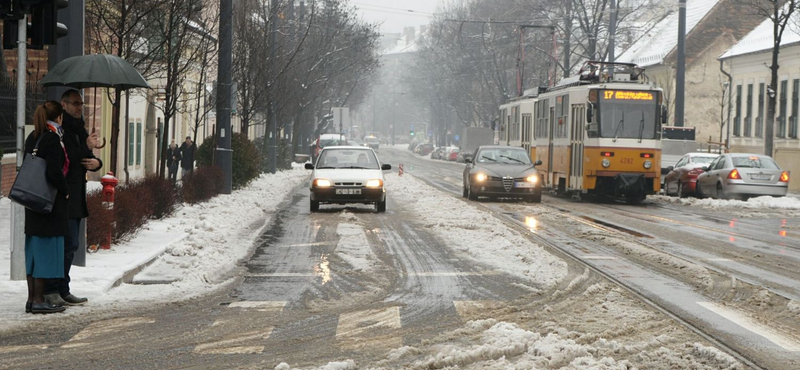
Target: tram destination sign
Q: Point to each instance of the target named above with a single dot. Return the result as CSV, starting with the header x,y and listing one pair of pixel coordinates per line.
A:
x,y
628,95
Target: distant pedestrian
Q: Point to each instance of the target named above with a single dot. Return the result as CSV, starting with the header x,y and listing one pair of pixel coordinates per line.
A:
x,y
173,161
45,232
78,144
187,156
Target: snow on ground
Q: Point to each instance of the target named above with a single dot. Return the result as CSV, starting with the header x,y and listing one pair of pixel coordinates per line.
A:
x,y
788,204
476,232
199,244
354,248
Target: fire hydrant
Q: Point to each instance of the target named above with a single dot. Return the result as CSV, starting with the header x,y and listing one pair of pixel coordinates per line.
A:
x,y
109,183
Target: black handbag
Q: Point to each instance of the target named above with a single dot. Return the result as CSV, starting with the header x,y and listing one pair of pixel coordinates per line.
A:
x,y
31,188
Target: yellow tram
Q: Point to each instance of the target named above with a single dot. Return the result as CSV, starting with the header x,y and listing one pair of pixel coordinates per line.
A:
x,y
597,134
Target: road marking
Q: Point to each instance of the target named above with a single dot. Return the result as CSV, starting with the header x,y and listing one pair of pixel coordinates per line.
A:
x,y
305,245
467,309
100,328
283,274
229,346
455,273
371,329
271,306
740,319
718,259
598,257
11,349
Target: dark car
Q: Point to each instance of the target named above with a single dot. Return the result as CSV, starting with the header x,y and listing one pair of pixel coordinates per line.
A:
x,y
682,179
502,172
423,149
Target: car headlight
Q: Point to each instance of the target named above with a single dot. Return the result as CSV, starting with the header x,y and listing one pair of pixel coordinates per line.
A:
x,y
606,163
532,179
375,183
480,177
648,165
322,183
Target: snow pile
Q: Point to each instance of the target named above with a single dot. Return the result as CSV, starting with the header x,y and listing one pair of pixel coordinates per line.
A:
x,y
197,246
476,232
354,248
759,203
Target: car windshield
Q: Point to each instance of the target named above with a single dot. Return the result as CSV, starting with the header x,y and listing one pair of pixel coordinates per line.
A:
x,y
703,160
503,156
327,143
755,162
348,158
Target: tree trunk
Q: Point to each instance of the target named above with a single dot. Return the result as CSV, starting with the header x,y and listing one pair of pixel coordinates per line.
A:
x,y
164,138
115,115
296,131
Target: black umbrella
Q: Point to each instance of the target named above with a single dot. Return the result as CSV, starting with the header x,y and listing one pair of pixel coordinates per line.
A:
x,y
98,70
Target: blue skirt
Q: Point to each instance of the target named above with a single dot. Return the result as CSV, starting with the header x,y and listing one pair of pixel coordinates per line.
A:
x,y
44,256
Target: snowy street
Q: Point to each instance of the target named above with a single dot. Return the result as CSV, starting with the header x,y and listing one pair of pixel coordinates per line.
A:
x,y
441,282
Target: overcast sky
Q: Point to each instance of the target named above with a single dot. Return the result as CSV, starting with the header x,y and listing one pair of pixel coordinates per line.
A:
x,y
394,14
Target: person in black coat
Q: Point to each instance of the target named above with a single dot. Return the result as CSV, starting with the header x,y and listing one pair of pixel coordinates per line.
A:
x,y
45,232
78,144
173,157
187,156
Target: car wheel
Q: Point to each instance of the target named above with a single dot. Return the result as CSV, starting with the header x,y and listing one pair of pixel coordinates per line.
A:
x,y
381,206
698,191
720,193
314,206
681,194
470,194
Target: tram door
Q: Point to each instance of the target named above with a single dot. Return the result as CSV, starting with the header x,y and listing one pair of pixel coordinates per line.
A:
x,y
526,132
576,147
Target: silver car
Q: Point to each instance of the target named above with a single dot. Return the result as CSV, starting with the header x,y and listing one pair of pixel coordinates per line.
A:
x,y
742,176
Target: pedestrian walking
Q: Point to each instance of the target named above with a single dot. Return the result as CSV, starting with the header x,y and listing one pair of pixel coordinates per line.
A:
x,y
45,232
187,156
78,144
173,161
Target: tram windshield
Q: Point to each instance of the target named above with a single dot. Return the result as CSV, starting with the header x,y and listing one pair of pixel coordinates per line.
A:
x,y
628,114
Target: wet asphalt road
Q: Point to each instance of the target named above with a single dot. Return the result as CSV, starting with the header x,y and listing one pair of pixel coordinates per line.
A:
x,y
296,300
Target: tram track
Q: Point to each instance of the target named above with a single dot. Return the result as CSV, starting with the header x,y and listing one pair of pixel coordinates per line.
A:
x,y
516,221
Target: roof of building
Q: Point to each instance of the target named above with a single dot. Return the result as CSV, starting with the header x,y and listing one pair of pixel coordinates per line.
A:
x,y
654,46
760,39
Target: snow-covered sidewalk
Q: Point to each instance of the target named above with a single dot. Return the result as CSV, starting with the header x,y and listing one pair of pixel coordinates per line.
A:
x,y
198,244
766,204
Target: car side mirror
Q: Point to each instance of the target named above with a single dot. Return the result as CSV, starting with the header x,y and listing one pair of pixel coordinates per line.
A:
x,y
664,114
467,160
589,114
537,163
705,169
670,168
309,166
386,167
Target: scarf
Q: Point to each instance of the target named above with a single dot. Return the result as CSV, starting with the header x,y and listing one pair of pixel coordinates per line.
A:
x,y
60,132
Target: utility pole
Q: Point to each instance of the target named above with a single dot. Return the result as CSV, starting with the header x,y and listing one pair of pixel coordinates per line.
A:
x,y
680,83
612,38
272,128
224,152
567,38
17,211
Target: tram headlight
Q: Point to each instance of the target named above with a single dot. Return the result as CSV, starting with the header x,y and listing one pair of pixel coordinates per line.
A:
x,y
606,163
648,165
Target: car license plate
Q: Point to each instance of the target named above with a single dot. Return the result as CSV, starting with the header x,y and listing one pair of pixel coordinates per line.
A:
x,y
524,185
760,176
348,191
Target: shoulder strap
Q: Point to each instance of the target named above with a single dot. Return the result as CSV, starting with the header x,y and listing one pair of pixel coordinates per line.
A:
x,y
39,140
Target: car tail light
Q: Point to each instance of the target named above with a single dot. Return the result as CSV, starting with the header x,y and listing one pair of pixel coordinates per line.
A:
x,y
695,172
785,176
734,175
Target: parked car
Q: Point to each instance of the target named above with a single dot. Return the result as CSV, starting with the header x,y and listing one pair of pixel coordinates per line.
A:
x,y
348,174
463,155
742,176
502,172
412,145
452,155
681,180
437,153
372,142
424,149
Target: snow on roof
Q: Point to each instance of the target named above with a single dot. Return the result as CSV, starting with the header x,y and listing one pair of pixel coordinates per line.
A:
x,y
653,47
760,39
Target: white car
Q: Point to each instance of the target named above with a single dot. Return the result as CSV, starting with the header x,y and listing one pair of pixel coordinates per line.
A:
x,y
348,174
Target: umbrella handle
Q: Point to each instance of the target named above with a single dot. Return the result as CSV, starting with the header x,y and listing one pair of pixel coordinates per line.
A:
x,y
101,146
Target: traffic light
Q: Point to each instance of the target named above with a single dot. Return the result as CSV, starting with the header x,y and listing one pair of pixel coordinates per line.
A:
x,y
411,132
45,28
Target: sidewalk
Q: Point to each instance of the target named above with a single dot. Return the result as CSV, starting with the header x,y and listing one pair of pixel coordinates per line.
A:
x,y
199,243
